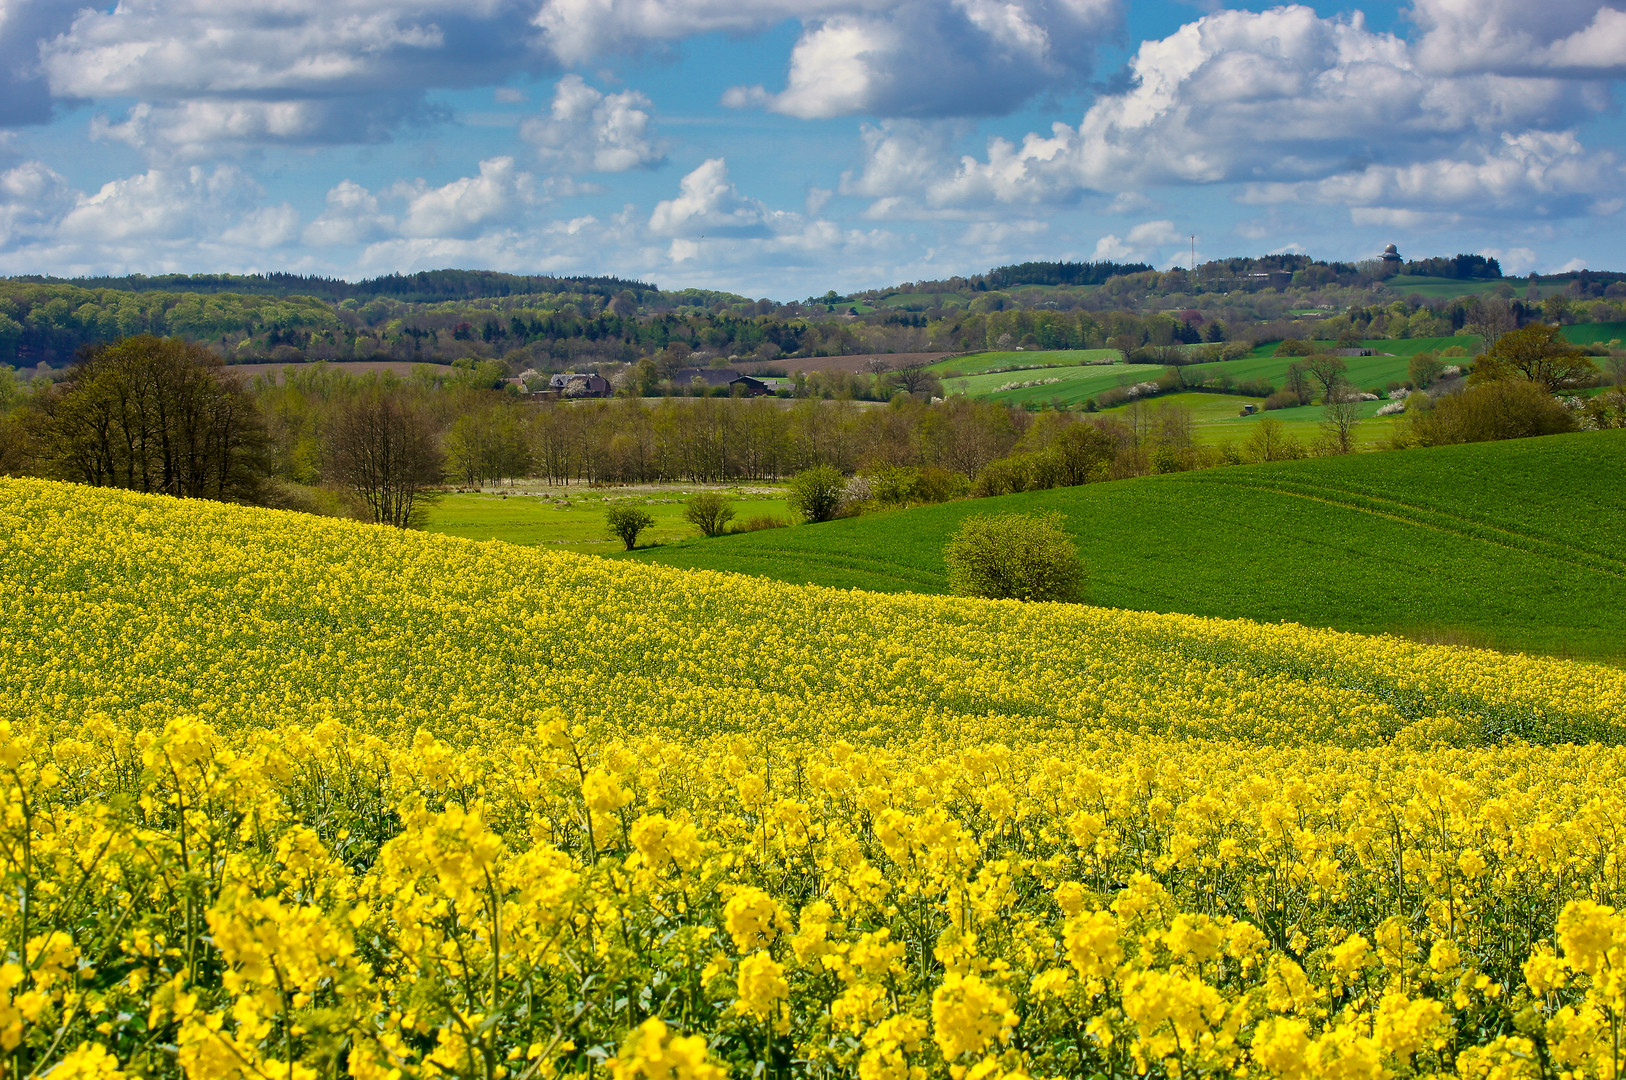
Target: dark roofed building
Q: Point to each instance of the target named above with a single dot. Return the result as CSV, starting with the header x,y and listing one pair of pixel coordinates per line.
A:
x,y
579,384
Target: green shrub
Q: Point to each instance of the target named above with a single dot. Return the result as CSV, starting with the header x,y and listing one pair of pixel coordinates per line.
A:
x,y
816,494
710,512
1282,399
626,522
1014,557
1504,409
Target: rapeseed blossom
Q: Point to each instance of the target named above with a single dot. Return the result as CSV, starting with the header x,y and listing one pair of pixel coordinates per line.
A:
x,y
295,798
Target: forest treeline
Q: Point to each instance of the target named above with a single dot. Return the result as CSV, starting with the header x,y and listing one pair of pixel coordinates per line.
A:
x,y
553,324
50,324
164,415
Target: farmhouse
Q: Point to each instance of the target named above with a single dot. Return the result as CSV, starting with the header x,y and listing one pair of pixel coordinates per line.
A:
x,y
575,384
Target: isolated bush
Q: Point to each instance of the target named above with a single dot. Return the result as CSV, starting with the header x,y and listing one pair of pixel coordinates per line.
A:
x,y
1256,388
1014,557
626,522
710,512
815,494
1282,399
1294,347
1503,409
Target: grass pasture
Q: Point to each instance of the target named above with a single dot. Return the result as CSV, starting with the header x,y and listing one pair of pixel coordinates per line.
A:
x,y
1365,372
1020,360
1217,418
1604,333
572,519
1074,384
1513,545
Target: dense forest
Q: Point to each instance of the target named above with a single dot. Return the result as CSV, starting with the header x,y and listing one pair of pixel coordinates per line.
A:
x,y
561,323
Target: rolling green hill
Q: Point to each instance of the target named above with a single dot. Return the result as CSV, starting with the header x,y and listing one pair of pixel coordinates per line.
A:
x,y
1515,545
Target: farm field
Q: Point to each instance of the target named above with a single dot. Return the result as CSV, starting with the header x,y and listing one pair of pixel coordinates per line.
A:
x,y
1603,333
572,518
1068,386
296,797
1365,372
1512,545
983,362
1217,419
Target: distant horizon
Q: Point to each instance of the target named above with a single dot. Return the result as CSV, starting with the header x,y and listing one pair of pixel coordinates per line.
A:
x,y
268,275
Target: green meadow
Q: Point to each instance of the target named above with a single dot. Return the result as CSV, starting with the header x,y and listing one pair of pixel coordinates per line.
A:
x,y
1062,385
572,518
1513,545
1021,360
1217,419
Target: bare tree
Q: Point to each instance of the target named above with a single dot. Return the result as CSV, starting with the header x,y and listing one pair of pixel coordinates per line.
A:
x,y
1489,317
1339,418
383,448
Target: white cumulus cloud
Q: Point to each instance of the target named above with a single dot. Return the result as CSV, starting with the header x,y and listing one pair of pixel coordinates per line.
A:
x,y
708,204
1279,97
586,130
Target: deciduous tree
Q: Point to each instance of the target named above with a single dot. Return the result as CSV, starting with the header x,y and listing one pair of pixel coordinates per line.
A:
x,y
383,447
1538,353
155,414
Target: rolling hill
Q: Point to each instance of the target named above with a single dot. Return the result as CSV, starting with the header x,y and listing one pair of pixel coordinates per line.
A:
x,y
1513,545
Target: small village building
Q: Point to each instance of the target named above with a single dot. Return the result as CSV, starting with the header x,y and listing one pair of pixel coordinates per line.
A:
x,y
577,384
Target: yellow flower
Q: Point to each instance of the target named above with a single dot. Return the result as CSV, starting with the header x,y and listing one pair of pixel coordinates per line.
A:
x,y
762,986
968,1014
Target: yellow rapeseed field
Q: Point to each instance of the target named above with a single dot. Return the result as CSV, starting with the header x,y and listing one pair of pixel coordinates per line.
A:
x,y
292,798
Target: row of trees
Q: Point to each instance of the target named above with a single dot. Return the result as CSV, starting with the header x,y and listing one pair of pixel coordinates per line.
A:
x,y
164,415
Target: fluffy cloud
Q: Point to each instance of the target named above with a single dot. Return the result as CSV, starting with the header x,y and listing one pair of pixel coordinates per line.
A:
x,y
1577,38
460,210
206,128
222,74
32,195
157,220
893,62
1551,173
1280,96
586,130
159,205
1137,246
708,204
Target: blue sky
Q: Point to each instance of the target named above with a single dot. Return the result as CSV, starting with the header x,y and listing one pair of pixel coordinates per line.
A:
x,y
784,147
